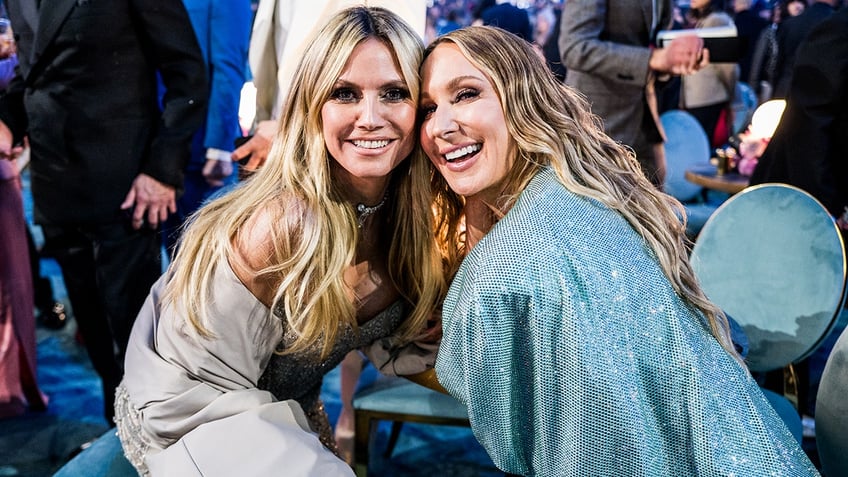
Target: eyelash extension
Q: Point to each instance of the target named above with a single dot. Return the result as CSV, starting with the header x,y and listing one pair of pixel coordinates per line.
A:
x,y
349,94
339,92
425,110
402,93
465,94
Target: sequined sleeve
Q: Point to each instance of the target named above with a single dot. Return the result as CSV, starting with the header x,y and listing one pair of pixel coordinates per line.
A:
x,y
487,357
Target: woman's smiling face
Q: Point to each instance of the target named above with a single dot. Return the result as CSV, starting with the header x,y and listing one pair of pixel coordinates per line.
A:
x,y
464,130
370,116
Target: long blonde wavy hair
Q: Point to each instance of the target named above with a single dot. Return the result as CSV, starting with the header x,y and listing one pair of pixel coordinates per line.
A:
x,y
315,232
551,125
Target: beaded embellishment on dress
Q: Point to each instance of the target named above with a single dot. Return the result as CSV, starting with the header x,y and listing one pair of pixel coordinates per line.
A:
x,y
128,426
299,376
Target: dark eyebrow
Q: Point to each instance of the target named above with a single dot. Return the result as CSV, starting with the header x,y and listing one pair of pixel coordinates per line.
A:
x,y
395,84
340,83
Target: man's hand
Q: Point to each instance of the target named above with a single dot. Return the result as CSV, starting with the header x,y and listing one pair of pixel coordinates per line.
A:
x,y
7,150
683,56
215,171
151,198
258,146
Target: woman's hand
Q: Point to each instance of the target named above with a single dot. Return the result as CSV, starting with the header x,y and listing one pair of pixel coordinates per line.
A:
x,y
8,151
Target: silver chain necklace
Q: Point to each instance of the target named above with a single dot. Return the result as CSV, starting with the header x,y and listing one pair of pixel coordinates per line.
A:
x,y
364,211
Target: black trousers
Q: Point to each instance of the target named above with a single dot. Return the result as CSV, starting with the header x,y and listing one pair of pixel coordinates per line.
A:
x,y
42,287
108,271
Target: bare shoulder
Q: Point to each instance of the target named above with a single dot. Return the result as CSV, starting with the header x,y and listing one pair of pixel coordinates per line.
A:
x,y
255,245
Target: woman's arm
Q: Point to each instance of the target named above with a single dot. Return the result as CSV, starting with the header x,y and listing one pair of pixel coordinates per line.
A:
x,y
254,249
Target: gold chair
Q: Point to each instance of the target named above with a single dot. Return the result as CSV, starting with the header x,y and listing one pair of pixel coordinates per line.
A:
x,y
398,400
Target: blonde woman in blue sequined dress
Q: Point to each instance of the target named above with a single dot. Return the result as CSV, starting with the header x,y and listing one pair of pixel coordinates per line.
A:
x,y
574,329
328,248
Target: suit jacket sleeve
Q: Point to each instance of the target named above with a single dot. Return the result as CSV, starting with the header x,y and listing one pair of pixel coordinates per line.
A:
x,y
167,31
586,45
229,32
12,111
262,56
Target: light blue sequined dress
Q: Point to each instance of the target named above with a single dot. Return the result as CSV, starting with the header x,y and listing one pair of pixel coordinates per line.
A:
x,y
575,356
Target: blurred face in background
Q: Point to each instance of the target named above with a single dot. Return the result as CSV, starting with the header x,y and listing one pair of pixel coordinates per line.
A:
x,y
795,8
698,4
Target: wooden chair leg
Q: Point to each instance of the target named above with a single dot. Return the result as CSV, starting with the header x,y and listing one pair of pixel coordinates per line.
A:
x,y
361,439
393,437
790,385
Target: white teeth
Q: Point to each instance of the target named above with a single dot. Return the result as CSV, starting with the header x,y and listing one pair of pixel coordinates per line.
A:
x,y
371,144
462,152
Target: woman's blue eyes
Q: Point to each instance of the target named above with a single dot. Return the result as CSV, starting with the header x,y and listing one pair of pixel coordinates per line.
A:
x,y
349,95
396,94
343,94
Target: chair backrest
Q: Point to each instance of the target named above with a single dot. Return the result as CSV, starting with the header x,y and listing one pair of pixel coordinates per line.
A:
x,y
744,104
686,145
832,411
773,259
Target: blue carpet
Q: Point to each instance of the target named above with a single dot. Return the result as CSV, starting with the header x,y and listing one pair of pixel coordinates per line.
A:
x,y
36,444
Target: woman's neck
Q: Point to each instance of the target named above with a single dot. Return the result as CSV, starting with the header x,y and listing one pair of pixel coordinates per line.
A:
x,y
356,190
479,220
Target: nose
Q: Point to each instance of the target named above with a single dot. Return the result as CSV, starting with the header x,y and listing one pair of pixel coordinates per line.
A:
x,y
442,122
371,113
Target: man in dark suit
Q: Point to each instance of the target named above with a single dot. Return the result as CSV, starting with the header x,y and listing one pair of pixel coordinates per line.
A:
x,y
749,26
107,162
222,28
790,34
809,148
